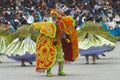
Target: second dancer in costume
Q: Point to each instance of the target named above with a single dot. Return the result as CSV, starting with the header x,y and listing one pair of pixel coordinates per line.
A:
x,y
22,48
94,40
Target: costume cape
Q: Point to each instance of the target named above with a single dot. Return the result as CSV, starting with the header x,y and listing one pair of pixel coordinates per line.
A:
x,y
71,51
45,49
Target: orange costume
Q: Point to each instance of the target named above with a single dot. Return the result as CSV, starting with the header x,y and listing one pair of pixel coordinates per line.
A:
x,y
45,49
48,46
70,49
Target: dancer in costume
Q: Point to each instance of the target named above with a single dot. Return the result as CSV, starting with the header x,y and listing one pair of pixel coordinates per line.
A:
x,y
5,38
94,40
49,47
22,48
70,43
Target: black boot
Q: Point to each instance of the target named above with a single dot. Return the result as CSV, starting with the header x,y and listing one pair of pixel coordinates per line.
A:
x,y
97,57
103,55
30,63
22,63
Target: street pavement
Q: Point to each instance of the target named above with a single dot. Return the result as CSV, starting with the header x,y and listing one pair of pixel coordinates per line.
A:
x,y
107,68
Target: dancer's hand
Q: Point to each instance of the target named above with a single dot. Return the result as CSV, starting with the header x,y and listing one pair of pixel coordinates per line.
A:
x,y
68,40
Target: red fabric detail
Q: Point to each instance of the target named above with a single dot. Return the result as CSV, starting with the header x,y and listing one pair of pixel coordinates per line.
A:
x,y
67,48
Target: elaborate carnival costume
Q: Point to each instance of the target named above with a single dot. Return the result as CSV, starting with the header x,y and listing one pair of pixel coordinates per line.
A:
x,y
70,43
45,49
22,48
5,39
49,47
94,40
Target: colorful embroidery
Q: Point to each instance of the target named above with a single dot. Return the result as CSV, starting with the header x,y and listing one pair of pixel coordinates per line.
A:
x,y
46,52
46,28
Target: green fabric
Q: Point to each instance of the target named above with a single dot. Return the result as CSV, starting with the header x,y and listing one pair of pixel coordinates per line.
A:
x,y
22,32
34,33
5,40
4,31
49,74
20,47
94,35
60,72
60,53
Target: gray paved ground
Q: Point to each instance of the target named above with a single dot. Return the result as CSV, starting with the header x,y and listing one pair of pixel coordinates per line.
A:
x,y
107,68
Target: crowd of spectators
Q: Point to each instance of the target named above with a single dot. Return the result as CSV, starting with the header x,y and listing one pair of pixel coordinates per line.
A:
x,y
15,13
